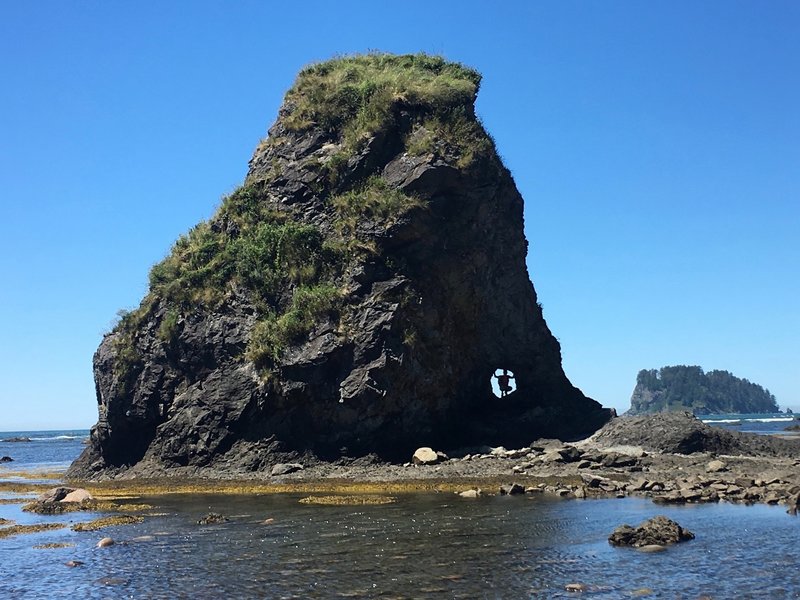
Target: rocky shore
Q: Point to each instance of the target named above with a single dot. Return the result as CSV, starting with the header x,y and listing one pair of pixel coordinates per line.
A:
x,y
671,458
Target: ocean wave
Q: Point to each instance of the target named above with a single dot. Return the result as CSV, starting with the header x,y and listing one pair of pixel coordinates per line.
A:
x,y
56,438
754,420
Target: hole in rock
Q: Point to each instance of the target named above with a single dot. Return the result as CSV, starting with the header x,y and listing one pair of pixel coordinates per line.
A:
x,y
503,383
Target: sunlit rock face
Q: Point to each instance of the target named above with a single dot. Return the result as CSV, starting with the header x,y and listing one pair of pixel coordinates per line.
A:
x,y
354,297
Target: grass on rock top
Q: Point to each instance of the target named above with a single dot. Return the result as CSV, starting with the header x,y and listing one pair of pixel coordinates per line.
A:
x,y
356,94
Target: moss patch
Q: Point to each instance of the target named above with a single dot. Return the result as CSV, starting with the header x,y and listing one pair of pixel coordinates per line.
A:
x,y
23,529
348,500
373,201
107,522
53,475
24,488
91,505
163,487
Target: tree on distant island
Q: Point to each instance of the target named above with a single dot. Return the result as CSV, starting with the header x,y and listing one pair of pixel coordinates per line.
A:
x,y
689,388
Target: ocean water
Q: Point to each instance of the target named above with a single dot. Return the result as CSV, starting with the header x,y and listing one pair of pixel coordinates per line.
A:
x,y
424,545
764,424
46,450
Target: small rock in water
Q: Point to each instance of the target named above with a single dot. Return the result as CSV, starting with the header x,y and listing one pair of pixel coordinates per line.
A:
x,y
6,459
425,456
212,519
575,587
269,521
656,531
285,468
74,563
112,581
470,493
105,542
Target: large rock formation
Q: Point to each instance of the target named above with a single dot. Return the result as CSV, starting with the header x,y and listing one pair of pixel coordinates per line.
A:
x,y
689,388
354,296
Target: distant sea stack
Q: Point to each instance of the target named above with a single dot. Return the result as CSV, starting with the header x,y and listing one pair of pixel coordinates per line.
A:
x,y
353,297
683,388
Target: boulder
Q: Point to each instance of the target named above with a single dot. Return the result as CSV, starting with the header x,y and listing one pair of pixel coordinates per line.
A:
x,y
570,454
56,494
512,490
105,542
285,469
348,299
659,531
470,493
716,466
77,495
425,456
616,460
6,459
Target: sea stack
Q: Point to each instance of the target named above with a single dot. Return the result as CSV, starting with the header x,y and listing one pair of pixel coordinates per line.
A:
x,y
355,296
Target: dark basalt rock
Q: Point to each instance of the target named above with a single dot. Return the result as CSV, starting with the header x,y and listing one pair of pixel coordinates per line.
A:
x,y
659,531
440,301
683,433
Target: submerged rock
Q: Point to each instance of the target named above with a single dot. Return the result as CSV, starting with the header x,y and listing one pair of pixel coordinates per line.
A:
x,y
213,518
658,531
355,296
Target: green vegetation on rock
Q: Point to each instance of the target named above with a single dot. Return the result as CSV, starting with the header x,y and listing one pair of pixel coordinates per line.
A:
x,y
689,388
308,306
357,95
374,200
290,270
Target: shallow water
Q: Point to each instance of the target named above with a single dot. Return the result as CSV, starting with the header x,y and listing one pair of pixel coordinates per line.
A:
x,y
423,546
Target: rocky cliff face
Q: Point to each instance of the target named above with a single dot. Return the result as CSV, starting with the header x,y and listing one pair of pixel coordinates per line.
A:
x,y
354,296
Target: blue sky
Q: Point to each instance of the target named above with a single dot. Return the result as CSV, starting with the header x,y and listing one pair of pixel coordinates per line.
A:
x,y
657,146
